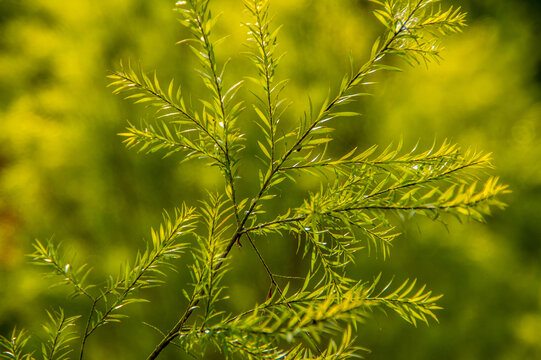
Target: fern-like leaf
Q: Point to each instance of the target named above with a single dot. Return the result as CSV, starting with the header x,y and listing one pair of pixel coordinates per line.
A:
x,y
50,257
13,348
60,332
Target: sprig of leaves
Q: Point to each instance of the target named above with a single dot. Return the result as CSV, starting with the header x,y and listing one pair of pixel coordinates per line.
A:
x,y
14,346
49,256
208,268
336,220
390,160
61,332
408,25
316,319
167,243
403,38
223,109
269,107
411,304
179,128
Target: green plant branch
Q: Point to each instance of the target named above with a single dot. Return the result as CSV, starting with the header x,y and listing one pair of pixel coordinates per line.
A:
x,y
60,331
265,42
207,45
163,98
363,72
344,161
430,207
86,333
14,346
136,136
48,256
162,249
176,329
288,303
429,179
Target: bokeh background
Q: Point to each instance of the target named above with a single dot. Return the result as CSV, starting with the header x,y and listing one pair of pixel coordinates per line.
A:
x,y
65,175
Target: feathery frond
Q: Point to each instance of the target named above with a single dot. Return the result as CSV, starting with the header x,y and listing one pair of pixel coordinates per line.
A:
x,y
50,257
223,109
178,128
167,243
60,333
355,205
411,304
13,348
269,108
208,267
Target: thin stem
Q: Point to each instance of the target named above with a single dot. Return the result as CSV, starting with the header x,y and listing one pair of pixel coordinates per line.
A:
x,y
429,179
210,274
87,327
267,269
275,222
192,305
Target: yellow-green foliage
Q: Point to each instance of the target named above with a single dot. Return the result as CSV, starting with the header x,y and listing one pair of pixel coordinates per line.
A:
x,y
276,177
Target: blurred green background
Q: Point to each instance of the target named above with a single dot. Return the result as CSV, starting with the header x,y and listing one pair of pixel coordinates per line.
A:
x,y
64,173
